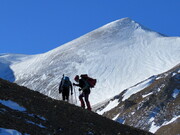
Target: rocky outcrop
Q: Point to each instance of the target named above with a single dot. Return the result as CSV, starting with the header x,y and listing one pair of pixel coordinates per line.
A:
x,y
152,107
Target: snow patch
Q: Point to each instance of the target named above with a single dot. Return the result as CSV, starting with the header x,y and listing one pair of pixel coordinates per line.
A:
x,y
40,117
147,94
120,120
174,74
12,105
159,77
115,117
171,121
151,119
159,89
39,125
175,93
137,88
154,127
111,105
4,131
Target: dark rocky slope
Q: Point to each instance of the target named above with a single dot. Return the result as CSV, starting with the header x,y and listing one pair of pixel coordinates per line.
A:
x,y
46,116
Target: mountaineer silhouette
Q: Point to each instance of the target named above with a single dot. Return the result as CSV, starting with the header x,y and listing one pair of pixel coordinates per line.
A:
x,y
64,88
85,83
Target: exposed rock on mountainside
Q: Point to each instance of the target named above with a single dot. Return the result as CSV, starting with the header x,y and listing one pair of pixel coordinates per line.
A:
x,y
29,112
170,129
150,105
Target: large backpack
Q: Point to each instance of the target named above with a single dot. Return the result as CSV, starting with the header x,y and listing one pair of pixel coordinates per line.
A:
x,y
66,83
91,82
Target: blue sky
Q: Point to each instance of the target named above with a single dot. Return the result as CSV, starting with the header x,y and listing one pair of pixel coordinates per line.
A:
x,y
37,26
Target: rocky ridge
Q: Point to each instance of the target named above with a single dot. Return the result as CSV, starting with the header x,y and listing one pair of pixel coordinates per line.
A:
x,y
29,112
151,108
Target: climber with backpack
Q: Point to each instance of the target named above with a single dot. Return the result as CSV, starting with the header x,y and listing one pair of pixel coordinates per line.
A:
x,y
85,83
64,88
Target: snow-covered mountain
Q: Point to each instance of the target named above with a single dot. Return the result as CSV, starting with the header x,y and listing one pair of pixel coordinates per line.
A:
x,y
151,105
119,55
6,60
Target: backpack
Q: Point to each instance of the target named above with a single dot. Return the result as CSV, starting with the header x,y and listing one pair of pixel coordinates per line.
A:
x,y
66,83
91,82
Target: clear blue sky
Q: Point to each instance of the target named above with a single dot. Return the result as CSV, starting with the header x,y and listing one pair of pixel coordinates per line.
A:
x,y
37,26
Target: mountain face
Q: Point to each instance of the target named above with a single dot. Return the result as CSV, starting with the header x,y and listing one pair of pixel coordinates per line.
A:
x,y
27,112
6,60
119,55
151,105
127,59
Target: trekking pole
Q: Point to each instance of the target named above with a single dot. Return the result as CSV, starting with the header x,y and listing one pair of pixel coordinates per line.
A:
x,y
75,95
71,99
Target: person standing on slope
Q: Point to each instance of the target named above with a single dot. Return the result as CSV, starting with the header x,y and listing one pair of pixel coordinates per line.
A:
x,y
64,88
85,88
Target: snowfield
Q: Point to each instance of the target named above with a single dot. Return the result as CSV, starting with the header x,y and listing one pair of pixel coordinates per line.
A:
x,y
119,55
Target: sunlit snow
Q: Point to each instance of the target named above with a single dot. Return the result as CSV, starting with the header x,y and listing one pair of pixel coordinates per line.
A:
x,y
154,127
119,55
137,88
111,105
147,94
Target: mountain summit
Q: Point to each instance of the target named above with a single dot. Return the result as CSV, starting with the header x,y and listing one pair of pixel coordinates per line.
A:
x,y
119,55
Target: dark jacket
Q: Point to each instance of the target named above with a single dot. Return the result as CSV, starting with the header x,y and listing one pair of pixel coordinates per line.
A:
x,y
83,86
63,88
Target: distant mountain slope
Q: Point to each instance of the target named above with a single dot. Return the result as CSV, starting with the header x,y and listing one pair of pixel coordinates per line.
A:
x,y
152,105
6,60
119,55
23,111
